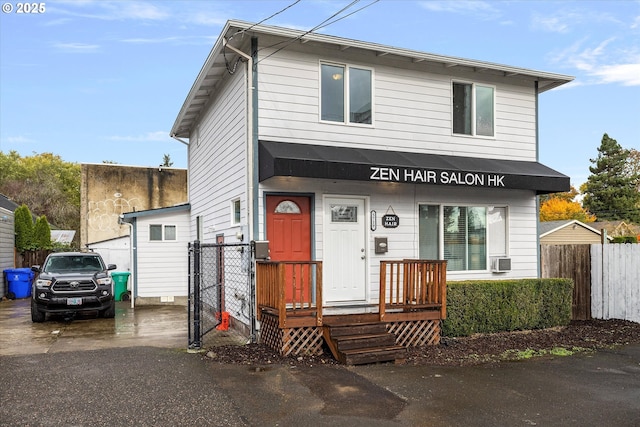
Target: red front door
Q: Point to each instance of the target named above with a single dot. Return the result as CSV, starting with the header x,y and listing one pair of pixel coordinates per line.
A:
x,y
289,236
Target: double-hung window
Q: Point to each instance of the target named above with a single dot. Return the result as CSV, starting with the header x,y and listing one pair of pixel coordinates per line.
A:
x,y
159,232
462,235
345,94
473,109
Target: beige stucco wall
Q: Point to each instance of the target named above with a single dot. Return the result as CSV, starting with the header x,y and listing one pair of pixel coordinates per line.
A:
x,y
110,190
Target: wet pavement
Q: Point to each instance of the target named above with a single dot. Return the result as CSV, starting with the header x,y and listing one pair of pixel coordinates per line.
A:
x,y
135,370
156,326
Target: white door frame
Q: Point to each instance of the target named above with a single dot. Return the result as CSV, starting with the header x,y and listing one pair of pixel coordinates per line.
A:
x,y
354,254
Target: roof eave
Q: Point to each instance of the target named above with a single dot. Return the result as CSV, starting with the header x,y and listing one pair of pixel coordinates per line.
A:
x,y
182,127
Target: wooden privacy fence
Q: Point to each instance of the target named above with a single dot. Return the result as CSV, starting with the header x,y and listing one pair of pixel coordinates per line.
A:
x,y
606,277
571,262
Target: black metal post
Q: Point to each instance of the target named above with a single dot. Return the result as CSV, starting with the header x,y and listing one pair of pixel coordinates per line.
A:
x,y
197,298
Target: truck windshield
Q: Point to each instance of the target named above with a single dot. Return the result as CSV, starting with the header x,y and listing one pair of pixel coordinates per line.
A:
x,y
73,263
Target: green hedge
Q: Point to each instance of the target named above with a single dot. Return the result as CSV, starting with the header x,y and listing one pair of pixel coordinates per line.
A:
x,y
506,305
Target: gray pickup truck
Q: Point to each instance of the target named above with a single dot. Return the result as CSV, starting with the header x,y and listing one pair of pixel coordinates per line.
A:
x,y
72,282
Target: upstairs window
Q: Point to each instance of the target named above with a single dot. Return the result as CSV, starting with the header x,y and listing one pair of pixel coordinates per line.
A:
x,y
345,94
473,109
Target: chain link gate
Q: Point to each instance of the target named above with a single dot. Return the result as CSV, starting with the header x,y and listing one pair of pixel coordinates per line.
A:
x,y
221,294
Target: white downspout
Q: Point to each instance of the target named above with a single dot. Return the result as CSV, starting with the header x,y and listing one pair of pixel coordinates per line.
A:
x,y
250,171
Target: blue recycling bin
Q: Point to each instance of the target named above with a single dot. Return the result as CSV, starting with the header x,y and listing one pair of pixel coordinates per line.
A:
x,y
19,280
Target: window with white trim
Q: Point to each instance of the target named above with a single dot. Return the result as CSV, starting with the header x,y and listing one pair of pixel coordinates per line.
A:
x,y
160,232
235,211
473,109
346,94
462,235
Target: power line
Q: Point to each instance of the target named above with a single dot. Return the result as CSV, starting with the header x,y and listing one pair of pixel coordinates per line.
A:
x,y
224,54
323,24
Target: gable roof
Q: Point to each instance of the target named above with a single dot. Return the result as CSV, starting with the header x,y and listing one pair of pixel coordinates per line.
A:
x,y
234,34
618,228
548,227
7,203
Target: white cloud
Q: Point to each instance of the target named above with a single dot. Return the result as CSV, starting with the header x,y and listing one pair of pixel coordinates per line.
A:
x,y
19,140
554,24
112,10
148,137
141,10
471,6
76,47
175,40
603,63
625,74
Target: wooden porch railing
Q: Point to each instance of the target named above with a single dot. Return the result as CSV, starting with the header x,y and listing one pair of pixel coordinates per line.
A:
x,y
289,289
413,285
292,290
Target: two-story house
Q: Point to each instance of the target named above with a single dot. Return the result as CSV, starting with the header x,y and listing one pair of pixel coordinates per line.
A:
x,y
354,153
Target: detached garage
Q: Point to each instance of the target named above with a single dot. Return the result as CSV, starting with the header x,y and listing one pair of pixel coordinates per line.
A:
x,y
159,238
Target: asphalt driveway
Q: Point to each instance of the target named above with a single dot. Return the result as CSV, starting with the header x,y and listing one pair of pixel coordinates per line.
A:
x,y
137,372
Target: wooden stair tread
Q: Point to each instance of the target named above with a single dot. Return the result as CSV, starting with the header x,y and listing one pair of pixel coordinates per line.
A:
x,y
375,350
361,328
373,355
362,343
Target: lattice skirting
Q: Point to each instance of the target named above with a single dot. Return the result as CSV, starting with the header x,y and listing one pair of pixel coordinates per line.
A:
x,y
290,341
415,333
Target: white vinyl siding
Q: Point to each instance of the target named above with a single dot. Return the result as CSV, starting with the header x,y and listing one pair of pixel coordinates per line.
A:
x,y
412,108
217,165
403,242
162,265
6,243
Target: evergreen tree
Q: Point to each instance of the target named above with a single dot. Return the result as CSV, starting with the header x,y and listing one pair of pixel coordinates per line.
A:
x,y
42,233
23,228
610,191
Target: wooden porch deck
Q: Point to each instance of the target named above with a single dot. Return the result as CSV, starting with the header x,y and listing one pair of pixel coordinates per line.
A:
x,y
289,303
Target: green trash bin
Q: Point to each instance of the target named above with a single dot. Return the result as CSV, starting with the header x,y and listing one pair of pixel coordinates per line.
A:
x,y
120,279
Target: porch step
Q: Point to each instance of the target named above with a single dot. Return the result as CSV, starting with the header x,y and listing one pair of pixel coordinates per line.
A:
x,y
394,353
363,343
351,342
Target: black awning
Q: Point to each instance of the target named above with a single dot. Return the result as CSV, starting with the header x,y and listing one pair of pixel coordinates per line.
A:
x,y
316,161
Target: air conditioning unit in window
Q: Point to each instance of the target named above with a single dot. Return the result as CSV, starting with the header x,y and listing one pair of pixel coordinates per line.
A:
x,y
500,264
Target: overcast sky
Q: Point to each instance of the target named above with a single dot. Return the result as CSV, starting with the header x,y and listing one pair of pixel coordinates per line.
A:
x,y
104,80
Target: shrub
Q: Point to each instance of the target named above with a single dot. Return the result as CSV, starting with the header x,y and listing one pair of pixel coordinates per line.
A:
x,y
24,229
42,233
506,305
625,239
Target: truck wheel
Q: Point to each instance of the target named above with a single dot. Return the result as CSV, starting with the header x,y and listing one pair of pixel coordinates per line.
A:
x,y
37,316
110,312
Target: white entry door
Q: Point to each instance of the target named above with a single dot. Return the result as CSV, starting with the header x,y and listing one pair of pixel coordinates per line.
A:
x,y
344,252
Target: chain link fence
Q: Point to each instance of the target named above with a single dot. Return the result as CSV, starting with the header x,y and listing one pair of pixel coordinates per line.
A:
x,y
221,294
